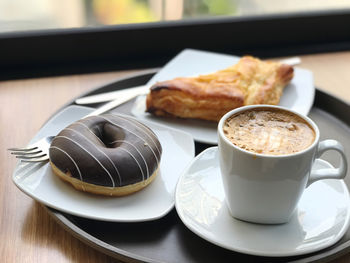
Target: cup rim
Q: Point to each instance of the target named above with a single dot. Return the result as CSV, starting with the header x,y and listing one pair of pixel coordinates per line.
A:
x,y
248,107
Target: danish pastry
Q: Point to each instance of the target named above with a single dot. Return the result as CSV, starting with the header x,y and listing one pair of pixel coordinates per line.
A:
x,y
209,97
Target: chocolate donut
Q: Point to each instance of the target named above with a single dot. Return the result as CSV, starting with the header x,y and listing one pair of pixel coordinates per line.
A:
x,y
107,154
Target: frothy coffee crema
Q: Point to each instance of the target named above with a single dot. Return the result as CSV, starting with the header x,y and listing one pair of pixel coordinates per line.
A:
x,y
269,131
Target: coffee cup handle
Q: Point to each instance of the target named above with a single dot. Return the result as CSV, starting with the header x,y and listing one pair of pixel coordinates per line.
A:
x,y
329,173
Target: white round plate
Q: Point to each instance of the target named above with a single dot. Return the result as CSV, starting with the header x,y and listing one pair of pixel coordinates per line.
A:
x,y
298,95
322,217
153,202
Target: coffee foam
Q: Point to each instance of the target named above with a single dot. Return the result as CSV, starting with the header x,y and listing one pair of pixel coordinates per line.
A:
x,y
269,131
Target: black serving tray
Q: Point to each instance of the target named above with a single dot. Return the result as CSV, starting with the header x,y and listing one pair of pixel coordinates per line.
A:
x,y
167,239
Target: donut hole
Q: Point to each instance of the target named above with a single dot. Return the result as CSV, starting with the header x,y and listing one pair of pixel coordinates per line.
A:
x,y
111,136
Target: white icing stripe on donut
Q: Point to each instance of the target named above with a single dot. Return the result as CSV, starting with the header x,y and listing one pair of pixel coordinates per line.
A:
x,y
70,157
124,141
142,126
138,164
139,125
104,168
87,139
143,139
83,124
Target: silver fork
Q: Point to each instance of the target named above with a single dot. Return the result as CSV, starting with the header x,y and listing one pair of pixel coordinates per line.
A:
x,y
35,152
39,151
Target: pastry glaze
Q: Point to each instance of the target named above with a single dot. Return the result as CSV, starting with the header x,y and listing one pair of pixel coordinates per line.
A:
x,y
106,154
209,97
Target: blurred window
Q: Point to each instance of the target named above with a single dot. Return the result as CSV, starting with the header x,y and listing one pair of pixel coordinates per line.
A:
x,y
24,15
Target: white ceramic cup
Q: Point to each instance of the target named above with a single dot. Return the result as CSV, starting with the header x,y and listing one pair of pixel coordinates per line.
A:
x,y
263,188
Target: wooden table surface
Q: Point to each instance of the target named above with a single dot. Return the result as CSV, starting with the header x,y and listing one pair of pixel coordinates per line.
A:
x,y
28,233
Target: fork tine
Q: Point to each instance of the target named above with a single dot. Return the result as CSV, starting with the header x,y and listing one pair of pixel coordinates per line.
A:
x,y
45,158
30,156
36,152
26,153
22,149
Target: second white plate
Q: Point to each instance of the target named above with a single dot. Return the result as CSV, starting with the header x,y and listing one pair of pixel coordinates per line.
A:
x,y
153,202
298,95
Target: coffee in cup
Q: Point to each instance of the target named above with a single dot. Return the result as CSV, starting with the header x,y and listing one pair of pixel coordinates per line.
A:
x,y
269,131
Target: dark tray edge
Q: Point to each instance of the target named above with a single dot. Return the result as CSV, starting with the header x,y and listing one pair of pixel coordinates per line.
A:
x,y
93,242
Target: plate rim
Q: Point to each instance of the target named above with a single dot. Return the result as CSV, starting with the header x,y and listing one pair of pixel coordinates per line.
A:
x,y
341,233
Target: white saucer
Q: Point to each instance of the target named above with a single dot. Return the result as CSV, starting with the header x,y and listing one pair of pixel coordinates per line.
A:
x,y
321,220
298,95
153,202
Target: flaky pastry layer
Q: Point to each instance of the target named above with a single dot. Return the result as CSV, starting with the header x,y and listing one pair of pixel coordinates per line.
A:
x,y
209,97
